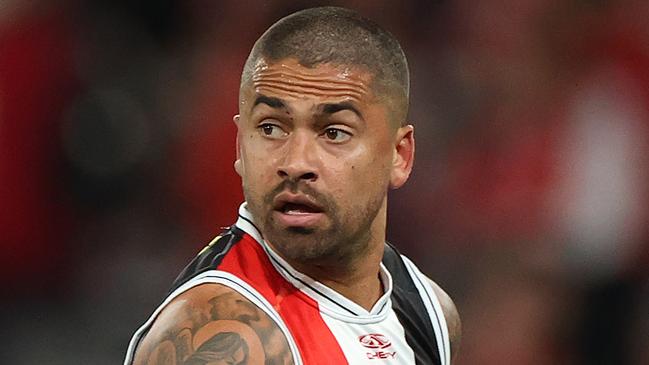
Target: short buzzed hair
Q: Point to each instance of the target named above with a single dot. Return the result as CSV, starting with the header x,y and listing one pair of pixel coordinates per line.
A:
x,y
339,36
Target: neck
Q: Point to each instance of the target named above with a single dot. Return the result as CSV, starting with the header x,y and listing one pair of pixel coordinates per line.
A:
x,y
357,278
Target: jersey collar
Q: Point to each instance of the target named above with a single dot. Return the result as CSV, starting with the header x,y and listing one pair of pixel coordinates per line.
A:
x,y
329,301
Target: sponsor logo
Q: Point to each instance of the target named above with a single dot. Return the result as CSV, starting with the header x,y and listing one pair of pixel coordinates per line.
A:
x,y
374,341
379,355
377,343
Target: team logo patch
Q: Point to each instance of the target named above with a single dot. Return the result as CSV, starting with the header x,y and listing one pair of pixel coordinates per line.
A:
x,y
377,343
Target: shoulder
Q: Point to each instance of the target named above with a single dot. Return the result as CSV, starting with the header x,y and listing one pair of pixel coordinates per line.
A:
x,y
211,323
451,315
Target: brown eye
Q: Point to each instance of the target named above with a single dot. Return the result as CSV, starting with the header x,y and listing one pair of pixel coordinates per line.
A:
x,y
268,129
271,130
332,134
336,135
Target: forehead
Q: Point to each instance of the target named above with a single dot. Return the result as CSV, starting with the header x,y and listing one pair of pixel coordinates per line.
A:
x,y
288,79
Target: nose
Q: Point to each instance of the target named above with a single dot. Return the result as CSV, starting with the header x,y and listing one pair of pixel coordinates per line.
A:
x,y
298,161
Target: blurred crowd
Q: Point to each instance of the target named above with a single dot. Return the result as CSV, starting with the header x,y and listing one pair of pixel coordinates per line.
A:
x,y
528,203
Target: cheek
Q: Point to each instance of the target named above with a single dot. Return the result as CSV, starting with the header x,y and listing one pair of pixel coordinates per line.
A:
x,y
364,173
259,164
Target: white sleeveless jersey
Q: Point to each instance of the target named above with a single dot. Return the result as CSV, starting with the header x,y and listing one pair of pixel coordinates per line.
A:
x,y
405,326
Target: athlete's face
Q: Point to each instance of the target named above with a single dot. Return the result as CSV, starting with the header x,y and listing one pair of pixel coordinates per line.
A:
x,y
317,154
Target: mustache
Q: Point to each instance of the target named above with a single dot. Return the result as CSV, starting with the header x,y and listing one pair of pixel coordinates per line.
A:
x,y
295,187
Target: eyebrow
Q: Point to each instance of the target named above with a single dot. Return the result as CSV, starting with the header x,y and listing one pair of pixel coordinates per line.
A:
x,y
336,107
329,108
270,101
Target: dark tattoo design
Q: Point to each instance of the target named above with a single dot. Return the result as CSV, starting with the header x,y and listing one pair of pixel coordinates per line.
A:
x,y
226,347
222,328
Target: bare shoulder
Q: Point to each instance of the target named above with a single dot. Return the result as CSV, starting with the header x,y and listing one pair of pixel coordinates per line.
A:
x,y
452,317
212,323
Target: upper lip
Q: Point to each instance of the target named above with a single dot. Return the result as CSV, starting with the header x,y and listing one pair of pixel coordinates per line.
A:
x,y
284,198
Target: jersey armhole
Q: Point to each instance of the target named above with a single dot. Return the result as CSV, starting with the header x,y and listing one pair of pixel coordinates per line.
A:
x,y
234,283
434,308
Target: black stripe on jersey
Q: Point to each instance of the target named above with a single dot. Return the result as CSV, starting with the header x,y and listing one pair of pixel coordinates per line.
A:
x,y
439,321
252,224
210,257
410,310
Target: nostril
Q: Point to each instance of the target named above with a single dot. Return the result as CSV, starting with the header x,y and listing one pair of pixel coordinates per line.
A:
x,y
308,176
297,175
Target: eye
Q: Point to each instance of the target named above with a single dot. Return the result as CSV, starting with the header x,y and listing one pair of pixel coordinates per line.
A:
x,y
337,135
271,130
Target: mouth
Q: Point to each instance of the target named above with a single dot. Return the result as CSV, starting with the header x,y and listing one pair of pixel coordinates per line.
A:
x,y
293,210
296,204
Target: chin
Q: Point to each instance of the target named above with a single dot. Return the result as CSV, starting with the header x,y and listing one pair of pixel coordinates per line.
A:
x,y
303,244
301,230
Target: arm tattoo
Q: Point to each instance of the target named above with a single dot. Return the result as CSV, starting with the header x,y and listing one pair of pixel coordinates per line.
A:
x,y
226,347
224,328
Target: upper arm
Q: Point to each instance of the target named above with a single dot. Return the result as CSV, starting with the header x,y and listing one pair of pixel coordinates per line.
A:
x,y
212,323
452,318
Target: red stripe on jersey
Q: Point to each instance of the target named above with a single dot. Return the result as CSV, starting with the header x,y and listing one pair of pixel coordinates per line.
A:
x,y
318,346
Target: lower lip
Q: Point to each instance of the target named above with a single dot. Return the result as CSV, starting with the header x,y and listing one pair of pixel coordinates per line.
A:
x,y
297,219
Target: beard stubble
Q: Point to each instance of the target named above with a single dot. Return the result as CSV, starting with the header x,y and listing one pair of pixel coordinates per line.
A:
x,y
344,240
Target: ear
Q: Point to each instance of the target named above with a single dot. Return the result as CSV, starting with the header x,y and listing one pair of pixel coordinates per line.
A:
x,y
238,164
403,156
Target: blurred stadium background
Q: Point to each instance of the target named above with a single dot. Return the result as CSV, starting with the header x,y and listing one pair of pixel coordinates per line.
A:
x,y
528,203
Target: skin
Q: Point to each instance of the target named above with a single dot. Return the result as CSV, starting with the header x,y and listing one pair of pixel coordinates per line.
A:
x,y
211,325
319,134
322,133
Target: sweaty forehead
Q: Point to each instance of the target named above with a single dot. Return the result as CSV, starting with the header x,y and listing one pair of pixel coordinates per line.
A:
x,y
289,79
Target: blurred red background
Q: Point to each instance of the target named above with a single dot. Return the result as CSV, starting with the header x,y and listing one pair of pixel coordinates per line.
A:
x,y
528,202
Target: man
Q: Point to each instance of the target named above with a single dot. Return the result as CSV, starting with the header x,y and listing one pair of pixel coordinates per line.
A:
x,y
305,275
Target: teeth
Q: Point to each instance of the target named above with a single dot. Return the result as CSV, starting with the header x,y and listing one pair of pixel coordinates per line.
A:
x,y
293,208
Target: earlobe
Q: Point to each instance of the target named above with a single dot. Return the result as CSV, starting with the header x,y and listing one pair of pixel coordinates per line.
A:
x,y
403,157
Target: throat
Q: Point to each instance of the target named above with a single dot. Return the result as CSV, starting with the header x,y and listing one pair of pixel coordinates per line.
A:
x,y
359,282
365,293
